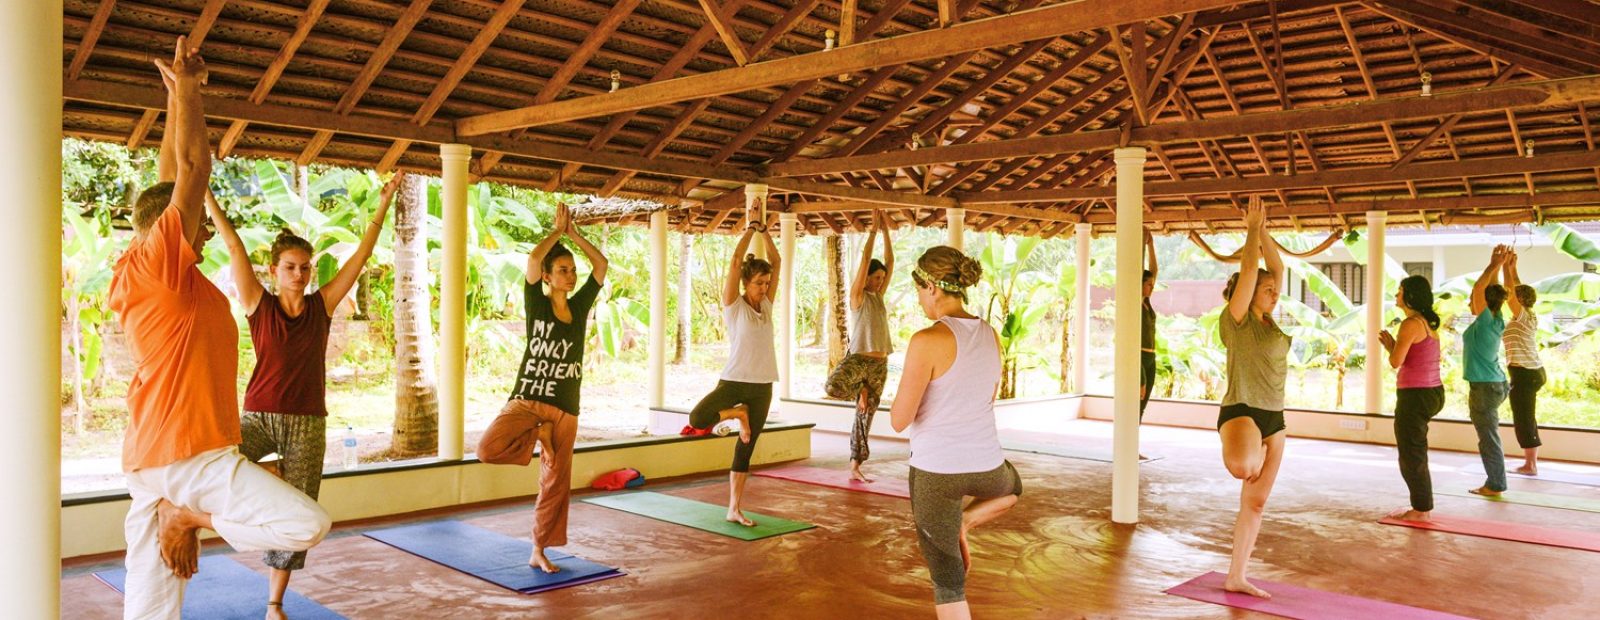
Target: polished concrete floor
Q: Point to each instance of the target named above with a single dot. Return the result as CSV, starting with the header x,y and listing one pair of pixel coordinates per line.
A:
x,y
1056,555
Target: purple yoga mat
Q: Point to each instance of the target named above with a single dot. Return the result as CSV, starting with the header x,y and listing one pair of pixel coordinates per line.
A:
x,y
1561,476
1302,603
1570,539
838,479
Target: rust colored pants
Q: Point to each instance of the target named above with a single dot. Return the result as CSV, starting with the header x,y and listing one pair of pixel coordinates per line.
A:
x,y
510,440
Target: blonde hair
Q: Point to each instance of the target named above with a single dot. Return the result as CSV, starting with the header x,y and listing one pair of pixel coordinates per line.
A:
x,y
948,269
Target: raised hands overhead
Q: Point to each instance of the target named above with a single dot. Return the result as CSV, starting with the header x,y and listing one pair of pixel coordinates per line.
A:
x,y
563,221
185,157
186,66
336,289
1243,293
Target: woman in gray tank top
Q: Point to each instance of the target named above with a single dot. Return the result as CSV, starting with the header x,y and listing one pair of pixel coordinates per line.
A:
x,y
946,398
1251,419
862,373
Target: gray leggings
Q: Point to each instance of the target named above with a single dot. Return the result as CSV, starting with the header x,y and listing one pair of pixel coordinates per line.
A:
x,y
936,508
300,441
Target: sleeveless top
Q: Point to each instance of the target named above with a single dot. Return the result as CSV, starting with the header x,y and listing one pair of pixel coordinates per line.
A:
x,y
1421,368
870,334
752,357
1522,341
290,354
954,431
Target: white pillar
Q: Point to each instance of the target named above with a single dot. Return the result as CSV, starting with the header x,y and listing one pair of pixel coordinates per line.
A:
x,y
656,392
1130,281
1438,266
1376,359
786,302
453,302
30,346
755,206
1080,310
955,221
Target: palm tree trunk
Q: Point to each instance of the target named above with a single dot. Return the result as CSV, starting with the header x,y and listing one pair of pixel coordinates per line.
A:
x,y
76,329
416,411
838,331
685,293
1066,352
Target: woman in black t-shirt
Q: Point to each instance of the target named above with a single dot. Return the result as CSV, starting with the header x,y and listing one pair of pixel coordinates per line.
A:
x,y
543,408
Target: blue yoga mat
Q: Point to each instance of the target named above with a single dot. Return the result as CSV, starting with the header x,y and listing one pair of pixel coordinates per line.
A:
x,y
226,590
495,558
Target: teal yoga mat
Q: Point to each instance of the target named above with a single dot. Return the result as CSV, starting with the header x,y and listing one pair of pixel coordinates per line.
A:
x,y
698,515
1071,452
1564,502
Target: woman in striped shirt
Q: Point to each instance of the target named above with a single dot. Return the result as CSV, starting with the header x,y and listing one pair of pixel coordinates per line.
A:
x,y
1525,369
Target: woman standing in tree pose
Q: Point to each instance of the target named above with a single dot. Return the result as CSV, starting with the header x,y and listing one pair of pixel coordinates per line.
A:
x,y
1419,394
1147,327
1251,419
946,397
285,409
543,408
1481,368
863,372
1526,370
745,390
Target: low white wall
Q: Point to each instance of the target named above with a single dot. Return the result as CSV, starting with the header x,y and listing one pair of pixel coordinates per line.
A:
x,y
1025,414
96,527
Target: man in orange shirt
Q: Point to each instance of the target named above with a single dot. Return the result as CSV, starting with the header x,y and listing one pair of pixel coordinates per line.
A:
x,y
181,453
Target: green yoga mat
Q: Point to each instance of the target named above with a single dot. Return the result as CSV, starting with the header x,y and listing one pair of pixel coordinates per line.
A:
x,y
1565,502
698,515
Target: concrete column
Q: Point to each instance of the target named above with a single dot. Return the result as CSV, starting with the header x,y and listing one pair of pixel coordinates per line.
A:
x,y
1130,280
453,302
786,301
755,205
30,346
656,392
956,223
1080,310
1439,274
1376,360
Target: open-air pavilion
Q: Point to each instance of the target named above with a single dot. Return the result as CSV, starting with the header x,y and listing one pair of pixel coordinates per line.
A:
x,y
1040,118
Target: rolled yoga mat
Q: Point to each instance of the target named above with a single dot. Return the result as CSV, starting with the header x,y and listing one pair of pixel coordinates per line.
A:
x,y
1565,502
491,556
1071,452
838,479
224,589
1562,477
1517,532
698,515
1301,603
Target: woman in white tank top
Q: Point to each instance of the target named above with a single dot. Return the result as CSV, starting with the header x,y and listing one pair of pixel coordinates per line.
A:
x,y
946,398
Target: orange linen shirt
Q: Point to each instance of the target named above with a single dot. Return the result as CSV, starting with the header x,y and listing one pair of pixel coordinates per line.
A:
x,y
183,398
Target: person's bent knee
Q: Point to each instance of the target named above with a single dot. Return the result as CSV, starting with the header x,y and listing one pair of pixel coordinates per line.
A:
x,y
1241,469
303,530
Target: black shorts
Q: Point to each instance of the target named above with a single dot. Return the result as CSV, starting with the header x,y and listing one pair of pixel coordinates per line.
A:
x,y
1269,422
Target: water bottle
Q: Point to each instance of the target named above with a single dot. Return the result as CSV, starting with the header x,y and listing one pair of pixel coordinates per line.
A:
x,y
349,448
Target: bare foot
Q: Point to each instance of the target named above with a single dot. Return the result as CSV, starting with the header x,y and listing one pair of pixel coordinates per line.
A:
x,y
537,560
1528,469
1242,586
272,467
180,544
1414,515
742,414
275,612
735,516
856,475
1485,491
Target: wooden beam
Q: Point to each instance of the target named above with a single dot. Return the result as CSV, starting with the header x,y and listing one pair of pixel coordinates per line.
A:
x,y
1450,204
126,95
203,23
847,22
1448,124
230,138
380,57
730,39
1372,175
302,29
947,13
468,58
829,190
314,147
1542,66
1519,95
97,25
142,128
785,24
1045,22
1132,58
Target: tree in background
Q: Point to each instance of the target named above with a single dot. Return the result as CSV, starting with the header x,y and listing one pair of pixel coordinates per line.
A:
x,y
416,406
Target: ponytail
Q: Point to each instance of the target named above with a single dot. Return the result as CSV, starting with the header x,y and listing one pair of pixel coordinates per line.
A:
x,y
1418,295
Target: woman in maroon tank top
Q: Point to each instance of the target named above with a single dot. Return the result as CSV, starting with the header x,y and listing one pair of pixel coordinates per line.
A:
x,y
285,410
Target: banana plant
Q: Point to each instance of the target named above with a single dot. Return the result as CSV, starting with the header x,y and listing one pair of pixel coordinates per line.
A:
x,y
86,278
1005,269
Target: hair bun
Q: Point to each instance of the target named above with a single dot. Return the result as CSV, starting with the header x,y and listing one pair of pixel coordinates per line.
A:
x,y
969,272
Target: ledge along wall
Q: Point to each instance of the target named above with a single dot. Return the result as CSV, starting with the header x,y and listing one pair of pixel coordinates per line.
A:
x,y
94,525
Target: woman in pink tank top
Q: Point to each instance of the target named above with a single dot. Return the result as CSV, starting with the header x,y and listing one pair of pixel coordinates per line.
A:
x,y
946,398
1419,394
285,411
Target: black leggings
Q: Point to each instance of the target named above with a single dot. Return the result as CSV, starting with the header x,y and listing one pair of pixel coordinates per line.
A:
x,y
936,507
1525,386
1147,379
1413,408
757,397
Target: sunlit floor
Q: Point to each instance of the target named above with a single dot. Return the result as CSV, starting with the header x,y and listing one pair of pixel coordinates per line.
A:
x,y
1055,556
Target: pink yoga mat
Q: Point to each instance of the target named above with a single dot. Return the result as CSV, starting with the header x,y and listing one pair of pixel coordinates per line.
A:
x,y
838,479
1302,603
1570,539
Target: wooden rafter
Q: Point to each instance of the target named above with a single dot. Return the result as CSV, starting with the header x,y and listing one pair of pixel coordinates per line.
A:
x,y
202,25
97,25
786,23
1448,123
720,19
